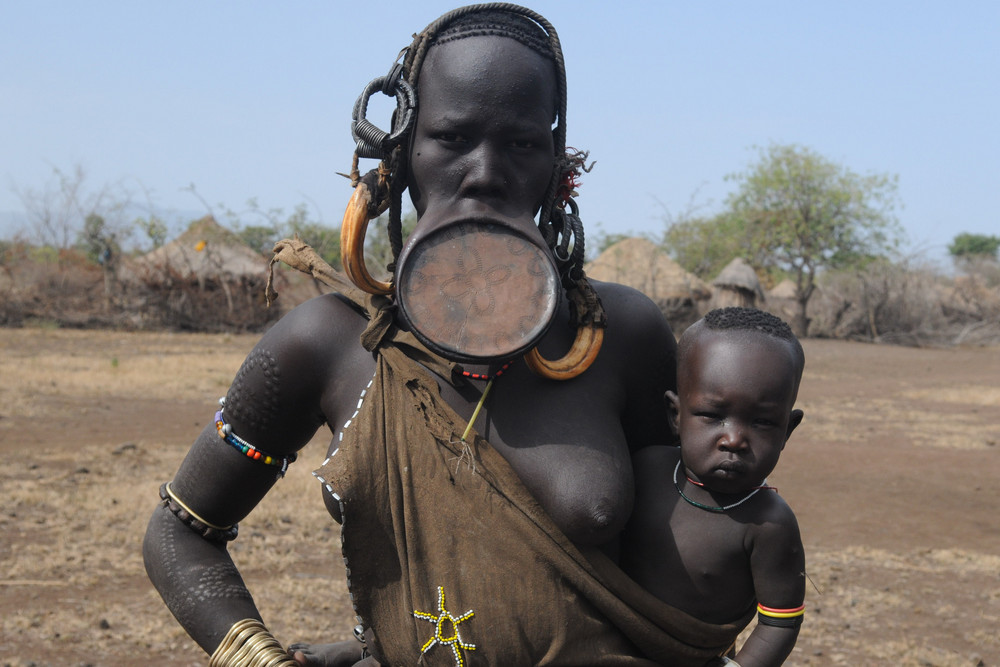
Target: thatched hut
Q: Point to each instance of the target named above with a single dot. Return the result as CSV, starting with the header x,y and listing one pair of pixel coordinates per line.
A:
x,y
737,285
205,251
639,263
206,279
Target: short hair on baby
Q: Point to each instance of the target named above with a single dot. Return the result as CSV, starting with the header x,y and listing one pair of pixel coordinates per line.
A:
x,y
737,319
749,319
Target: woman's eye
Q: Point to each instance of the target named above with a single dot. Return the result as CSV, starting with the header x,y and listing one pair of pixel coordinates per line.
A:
x,y
523,143
450,137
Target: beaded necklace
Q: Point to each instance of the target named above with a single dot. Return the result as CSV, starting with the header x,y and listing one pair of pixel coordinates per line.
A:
x,y
486,392
721,508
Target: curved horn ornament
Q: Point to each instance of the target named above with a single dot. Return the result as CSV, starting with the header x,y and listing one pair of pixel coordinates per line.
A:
x,y
581,355
352,242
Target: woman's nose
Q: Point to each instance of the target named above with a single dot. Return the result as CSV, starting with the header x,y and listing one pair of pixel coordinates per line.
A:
x,y
485,174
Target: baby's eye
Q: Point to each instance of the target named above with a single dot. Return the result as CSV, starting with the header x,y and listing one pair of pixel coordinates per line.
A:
x,y
764,423
708,416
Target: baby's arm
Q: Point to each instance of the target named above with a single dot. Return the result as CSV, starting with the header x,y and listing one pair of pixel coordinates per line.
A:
x,y
778,565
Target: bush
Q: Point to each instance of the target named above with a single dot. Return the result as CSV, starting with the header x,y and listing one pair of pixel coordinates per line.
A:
x,y
906,303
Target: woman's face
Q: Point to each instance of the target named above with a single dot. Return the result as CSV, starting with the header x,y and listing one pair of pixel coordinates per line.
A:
x,y
483,142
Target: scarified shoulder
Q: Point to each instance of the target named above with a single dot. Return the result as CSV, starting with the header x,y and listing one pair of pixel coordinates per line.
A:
x,y
326,326
280,394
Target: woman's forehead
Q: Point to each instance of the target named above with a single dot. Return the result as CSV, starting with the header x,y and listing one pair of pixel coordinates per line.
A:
x,y
487,58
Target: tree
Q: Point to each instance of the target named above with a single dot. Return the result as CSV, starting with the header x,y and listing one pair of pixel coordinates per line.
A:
x,y
59,211
803,213
154,228
704,246
378,249
967,246
260,237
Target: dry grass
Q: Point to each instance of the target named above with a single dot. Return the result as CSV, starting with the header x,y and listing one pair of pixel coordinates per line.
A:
x,y
892,476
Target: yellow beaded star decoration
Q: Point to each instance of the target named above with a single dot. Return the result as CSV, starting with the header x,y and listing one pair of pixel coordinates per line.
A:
x,y
446,630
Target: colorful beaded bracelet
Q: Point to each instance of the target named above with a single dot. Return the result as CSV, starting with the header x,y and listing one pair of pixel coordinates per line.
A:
x,y
207,530
226,433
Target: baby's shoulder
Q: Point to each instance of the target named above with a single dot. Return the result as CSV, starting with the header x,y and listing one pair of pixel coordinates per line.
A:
x,y
773,519
653,466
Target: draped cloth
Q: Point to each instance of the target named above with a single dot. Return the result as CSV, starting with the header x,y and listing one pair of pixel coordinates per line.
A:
x,y
450,559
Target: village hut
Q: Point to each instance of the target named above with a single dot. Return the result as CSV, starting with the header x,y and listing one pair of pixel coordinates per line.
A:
x,y
206,279
640,264
205,251
737,285
782,301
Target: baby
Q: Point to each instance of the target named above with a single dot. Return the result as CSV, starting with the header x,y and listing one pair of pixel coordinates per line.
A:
x,y
708,535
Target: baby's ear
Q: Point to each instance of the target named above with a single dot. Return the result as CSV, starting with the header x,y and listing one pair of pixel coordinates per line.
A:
x,y
673,409
794,419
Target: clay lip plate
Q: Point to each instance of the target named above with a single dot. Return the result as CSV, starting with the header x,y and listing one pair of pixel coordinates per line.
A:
x,y
478,291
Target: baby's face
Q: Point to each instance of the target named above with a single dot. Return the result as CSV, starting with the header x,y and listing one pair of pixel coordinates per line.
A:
x,y
733,408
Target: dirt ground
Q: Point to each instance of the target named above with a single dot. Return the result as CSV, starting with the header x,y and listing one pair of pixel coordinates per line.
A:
x,y
894,475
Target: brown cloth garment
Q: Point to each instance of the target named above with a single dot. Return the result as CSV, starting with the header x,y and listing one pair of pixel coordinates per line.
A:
x,y
450,559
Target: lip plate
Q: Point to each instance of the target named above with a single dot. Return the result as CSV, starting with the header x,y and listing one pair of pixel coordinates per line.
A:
x,y
477,290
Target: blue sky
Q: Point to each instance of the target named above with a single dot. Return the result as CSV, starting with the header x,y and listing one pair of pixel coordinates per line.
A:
x,y
253,100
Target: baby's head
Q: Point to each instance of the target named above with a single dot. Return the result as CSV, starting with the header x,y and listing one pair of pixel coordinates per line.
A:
x,y
738,372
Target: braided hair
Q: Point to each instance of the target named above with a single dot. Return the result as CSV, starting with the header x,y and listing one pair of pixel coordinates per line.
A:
x,y
559,227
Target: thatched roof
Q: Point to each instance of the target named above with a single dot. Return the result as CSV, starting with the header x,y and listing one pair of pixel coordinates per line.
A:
x,y
783,290
205,250
739,275
639,263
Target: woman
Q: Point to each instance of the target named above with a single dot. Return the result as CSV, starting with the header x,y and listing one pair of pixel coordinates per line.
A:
x,y
482,486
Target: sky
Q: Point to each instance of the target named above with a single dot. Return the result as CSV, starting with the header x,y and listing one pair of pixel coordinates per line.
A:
x,y
204,106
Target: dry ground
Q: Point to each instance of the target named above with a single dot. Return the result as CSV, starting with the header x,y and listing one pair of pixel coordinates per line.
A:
x,y
894,476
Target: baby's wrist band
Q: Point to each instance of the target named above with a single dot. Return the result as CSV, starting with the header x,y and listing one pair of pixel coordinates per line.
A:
x,y
780,618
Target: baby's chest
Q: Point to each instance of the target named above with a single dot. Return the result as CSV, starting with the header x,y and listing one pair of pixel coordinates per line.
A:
x,y
711,549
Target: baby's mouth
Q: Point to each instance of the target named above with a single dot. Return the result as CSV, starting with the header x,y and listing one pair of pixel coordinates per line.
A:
x,y
731,467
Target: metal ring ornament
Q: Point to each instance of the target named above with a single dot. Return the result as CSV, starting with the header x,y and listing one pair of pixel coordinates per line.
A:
x,y
352,242
373,142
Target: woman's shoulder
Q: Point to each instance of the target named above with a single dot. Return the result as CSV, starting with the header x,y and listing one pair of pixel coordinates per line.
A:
x,y
637,328
322,326
629,308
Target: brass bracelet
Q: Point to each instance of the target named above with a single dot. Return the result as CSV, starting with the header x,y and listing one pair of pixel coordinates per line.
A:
x,y
193,521
249,644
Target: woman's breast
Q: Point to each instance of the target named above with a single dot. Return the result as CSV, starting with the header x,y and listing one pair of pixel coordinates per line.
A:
x,y
586,488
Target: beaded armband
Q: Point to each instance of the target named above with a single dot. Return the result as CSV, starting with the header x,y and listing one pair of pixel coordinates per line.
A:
x,y
207,530
226,433
780,618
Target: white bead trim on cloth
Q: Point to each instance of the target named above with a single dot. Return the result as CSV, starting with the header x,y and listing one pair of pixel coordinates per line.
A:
x,y
340,438
336,496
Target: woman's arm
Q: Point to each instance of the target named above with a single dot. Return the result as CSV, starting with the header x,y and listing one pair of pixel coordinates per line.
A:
x,y
275,404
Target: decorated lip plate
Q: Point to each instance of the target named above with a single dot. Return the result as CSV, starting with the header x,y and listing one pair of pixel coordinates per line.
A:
x,y
477,291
